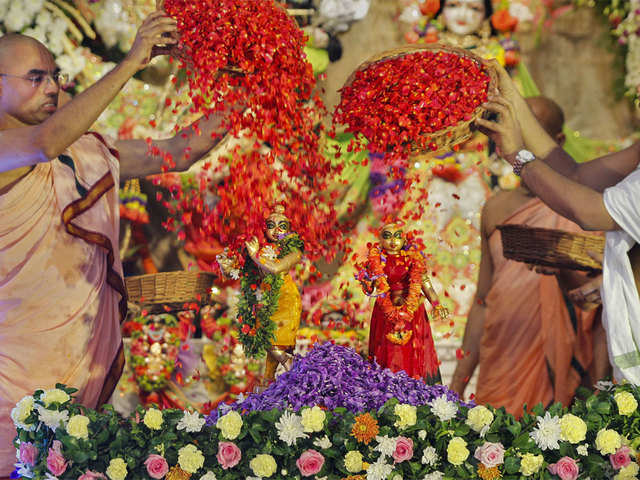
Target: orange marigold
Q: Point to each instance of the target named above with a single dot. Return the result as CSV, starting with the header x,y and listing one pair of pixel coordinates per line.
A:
x,y
488,473
355,477
365,429
176,473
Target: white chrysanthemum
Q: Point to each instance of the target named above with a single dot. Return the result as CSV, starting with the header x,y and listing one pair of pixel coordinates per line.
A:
x,y
23,470
443,408
547,433
429,456
521,12
191,422
386,446
234,273
323,442
290,428
52,418
18,17
583,449
48,476
422,434
21,411
209,476
437,475
379,470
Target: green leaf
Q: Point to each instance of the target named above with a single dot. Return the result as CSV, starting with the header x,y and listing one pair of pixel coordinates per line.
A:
x,y
512,465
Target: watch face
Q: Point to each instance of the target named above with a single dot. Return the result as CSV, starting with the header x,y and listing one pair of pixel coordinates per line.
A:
x,y
525,156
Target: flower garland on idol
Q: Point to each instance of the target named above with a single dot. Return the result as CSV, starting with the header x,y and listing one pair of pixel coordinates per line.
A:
x,y
259,295
399,315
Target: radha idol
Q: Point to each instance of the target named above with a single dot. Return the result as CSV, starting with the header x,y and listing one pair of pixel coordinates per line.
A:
x,y
400,336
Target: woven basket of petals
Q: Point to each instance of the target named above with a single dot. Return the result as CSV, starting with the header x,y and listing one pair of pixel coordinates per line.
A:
x,y
169,287
415,99
551,248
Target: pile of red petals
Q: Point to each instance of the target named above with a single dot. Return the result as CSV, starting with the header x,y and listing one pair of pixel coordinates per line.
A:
x,y
249,53
395,104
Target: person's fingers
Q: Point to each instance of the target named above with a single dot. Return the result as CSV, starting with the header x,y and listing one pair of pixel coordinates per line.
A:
x,y
488,125
496,107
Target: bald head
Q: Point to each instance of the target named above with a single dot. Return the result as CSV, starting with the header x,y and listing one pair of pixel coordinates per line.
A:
x,y
14,45
548,113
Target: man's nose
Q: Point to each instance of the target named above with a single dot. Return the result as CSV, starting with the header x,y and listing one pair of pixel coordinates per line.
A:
x,y
50,85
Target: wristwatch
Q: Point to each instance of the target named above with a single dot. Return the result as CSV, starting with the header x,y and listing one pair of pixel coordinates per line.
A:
x,y
522,158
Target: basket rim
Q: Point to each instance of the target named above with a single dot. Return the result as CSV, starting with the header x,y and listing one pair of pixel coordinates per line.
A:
x,y
520,226
174,273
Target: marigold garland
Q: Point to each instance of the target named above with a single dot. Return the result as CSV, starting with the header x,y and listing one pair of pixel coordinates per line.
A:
x,y
259,295
485,473
365,428
398,315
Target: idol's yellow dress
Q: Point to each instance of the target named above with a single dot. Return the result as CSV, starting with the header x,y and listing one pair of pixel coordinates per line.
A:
x,y
287,315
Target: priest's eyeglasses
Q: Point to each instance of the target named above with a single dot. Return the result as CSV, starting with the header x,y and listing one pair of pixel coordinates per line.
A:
x,y
39,77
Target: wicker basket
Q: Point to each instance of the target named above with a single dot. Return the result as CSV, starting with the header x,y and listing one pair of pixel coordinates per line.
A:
x,y
446,138
169,287
551,248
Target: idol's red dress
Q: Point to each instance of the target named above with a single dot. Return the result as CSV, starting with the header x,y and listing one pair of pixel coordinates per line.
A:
x,y
418,356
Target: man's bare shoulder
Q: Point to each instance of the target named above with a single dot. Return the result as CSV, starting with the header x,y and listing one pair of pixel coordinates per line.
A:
x,y
500,207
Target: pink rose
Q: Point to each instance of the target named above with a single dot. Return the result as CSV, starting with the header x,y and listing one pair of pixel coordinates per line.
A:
x,y
229,455
566,468
28,453
157,466
89,475
620,458
310,463
55,461
490,454
404,449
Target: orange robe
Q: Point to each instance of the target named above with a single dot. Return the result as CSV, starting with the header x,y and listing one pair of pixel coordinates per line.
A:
x,y
529,341
61,289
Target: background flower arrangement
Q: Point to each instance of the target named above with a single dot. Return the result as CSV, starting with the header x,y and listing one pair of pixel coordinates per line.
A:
x,y
437,439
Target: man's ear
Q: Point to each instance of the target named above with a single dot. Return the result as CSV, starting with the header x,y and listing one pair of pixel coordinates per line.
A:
x,y
560,138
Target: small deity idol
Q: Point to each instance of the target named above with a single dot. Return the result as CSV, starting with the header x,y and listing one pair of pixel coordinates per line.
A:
x,y
400,337
270,305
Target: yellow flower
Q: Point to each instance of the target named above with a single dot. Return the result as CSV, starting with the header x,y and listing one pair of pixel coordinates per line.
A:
x,y
353,461
153,419
457,451
628,473
77,426
530,464
572,429
406,415
263,465
190,458
479,417
21,411
54,395
627,403
230,425
313,419
608,441
117,469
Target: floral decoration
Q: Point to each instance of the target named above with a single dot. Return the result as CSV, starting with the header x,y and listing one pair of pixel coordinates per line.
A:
x,y
60,439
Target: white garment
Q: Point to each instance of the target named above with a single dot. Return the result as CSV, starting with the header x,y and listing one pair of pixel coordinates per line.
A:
x,y
621,304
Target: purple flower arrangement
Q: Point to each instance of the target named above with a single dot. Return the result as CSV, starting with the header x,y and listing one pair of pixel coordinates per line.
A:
x,y
334,376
